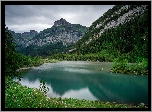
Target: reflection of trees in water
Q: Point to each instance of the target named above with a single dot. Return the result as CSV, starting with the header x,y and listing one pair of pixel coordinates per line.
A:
x,y
60,86
60,83
121,89
104,86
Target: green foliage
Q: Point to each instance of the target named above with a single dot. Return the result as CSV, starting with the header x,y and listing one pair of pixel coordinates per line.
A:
x,y
28,61
100,56
128,40
45,50
122,66
43,86
11,62
14,60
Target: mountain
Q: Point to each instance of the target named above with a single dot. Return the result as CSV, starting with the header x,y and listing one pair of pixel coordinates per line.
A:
x,y
21,38
61,31
121,31
56,39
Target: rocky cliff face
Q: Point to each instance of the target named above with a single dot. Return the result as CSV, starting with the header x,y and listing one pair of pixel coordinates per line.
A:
x,y
62,32
125,17
22,38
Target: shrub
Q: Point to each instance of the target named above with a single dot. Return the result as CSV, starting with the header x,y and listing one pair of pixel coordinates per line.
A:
x,y
122,66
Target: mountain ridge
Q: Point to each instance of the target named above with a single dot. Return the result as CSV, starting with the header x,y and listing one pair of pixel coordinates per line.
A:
x,y
120,31
114,18
61,32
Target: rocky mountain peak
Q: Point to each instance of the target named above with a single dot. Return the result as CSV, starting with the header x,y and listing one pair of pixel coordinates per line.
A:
x,y
61,22
56,39
33,31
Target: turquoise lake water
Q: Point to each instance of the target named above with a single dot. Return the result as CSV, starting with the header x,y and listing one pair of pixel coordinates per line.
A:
x,y
88,80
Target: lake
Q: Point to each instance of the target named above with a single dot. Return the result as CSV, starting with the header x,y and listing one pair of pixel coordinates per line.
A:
x,y
88,80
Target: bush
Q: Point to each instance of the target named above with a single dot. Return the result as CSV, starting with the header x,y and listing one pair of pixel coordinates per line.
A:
x,y
122,66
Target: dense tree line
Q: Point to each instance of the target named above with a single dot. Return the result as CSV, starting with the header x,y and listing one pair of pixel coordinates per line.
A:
x,y
102,57
14,60
45,50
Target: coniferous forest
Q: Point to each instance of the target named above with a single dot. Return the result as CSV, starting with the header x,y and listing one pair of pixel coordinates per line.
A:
x,y
125,45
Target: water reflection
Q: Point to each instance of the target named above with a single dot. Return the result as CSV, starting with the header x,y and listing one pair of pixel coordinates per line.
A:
x,y
83,93
76,70
84,80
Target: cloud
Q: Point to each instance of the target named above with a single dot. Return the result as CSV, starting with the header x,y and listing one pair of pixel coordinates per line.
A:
x,y
28,27
23,18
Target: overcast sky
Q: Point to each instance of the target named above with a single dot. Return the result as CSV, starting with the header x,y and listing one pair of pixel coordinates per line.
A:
x,y
23,18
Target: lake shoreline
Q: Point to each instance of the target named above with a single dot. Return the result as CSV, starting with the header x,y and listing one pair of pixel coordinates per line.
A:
x,y
44,61
53,102
71,73
25,68
55,61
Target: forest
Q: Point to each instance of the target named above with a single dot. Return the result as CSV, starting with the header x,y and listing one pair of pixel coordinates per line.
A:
x,y
18,96
126,43
126,46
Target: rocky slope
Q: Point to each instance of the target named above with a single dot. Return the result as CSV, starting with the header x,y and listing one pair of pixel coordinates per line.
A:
x,y
120,27
22,38
62,32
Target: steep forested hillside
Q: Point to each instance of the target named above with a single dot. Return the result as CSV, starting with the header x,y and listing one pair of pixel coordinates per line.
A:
x,y
121,32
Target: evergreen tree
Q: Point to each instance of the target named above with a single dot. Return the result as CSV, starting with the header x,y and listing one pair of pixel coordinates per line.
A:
x,y
11,56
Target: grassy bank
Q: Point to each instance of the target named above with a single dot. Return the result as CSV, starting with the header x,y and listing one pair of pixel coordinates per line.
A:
x,y
38,62
18,96
122,66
